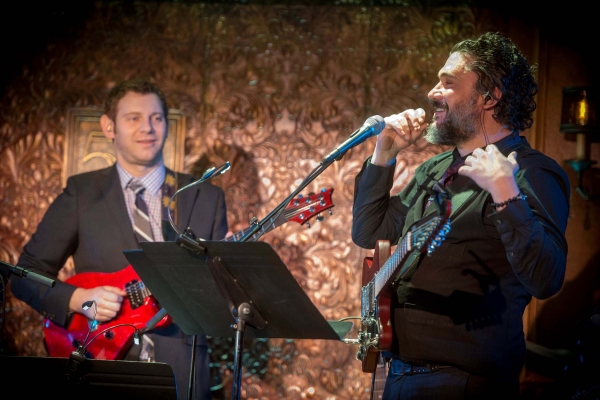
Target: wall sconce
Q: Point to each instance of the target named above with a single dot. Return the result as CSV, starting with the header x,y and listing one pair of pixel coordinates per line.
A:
x,y
578,122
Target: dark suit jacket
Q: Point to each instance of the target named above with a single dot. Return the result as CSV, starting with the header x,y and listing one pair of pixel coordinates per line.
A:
x,y
89,221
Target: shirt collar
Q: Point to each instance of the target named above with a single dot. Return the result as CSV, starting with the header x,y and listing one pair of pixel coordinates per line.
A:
x,y
152,181
502,145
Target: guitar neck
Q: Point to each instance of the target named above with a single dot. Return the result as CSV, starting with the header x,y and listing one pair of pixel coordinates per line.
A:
x,y
417,238
388,269
296,209
272,224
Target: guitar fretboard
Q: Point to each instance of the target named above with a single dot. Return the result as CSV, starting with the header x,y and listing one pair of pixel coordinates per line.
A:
x,y
415,239
236,237
386,272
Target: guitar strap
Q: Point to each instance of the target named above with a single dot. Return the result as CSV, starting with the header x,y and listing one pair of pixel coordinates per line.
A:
x,y
169,188
416,208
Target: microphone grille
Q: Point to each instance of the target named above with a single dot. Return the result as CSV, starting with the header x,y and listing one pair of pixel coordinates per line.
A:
x,y
377,122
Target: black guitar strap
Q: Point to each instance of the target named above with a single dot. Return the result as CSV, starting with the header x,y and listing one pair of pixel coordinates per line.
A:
x,y
408,268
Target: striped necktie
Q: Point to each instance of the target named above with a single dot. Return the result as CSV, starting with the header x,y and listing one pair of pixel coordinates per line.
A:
x,y
143,233
141,220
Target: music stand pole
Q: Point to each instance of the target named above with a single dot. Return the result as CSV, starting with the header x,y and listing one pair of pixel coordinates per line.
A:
x,y
192,377
240,326
241,307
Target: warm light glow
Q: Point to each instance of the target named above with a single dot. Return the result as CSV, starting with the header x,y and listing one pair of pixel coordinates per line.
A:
x,y
582,110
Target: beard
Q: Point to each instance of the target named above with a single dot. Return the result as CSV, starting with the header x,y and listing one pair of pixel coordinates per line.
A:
x,y
459,125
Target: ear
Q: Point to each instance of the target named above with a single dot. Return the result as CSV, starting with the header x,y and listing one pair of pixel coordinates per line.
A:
x,y
490,101
108,126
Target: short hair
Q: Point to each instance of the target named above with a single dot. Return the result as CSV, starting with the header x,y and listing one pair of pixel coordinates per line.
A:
x,y
498,63
133,85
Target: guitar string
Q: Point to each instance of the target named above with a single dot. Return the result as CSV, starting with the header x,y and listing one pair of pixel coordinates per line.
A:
x,y
401,252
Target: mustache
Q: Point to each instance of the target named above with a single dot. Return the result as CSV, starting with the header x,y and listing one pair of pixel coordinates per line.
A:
x,y
439,104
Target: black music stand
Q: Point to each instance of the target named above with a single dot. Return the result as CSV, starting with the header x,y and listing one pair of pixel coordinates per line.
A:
x,y
220,288
50,377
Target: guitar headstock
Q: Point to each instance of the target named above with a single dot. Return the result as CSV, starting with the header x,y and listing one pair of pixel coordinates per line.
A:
x,y
428,235
301,209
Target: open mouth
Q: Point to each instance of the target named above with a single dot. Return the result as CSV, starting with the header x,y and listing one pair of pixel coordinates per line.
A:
x,y
439,106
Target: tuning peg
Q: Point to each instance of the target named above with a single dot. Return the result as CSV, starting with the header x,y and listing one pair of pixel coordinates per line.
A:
x,y
320,218
330,211
308,224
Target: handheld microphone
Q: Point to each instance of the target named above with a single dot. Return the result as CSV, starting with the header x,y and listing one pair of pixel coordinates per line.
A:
x,y
23,273
372,127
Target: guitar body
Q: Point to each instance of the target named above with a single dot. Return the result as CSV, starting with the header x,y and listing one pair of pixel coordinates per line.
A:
x,y
378,325
137,309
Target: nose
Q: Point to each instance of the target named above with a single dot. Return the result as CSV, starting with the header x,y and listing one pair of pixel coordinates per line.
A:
x,y
146,125
436,92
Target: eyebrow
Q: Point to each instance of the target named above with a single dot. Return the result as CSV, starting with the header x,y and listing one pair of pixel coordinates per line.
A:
x,y
446,74
138,113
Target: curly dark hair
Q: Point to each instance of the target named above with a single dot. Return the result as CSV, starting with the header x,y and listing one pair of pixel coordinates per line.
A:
x,y
133,85
498,63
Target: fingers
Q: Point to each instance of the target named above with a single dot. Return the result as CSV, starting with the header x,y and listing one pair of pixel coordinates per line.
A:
x,y
406,120
116,290
108,301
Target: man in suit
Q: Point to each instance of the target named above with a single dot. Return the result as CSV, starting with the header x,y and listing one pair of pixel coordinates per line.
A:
x,y
456,316
93,220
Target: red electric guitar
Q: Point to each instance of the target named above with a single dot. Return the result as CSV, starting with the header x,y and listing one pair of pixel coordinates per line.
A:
x,y
140,306
375,334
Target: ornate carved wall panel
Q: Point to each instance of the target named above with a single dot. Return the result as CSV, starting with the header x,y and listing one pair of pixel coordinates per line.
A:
x,y
272,89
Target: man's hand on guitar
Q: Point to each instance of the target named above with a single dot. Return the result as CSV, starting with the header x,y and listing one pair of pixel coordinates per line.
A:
x,y
108,302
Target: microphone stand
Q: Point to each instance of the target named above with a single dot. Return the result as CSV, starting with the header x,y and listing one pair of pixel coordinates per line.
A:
x,y
373,126
336,155
273,215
